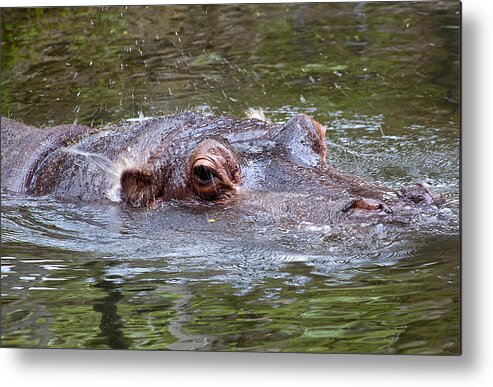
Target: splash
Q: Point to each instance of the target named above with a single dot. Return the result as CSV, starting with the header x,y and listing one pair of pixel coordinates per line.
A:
x,y
140,119
112,168
257,113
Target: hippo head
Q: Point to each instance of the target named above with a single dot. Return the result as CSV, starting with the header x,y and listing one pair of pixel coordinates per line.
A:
x,y
197,159
209,160
212,159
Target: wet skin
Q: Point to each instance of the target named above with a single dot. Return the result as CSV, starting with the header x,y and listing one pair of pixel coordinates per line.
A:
x,y
248,165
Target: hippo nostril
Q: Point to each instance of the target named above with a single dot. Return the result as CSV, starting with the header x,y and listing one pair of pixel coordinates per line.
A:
x,y
366,204
417,194
385,208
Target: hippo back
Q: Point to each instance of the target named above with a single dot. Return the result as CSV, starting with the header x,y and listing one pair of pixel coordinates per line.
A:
x,y
25,149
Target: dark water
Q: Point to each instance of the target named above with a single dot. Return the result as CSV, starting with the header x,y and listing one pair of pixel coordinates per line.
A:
x,y
383,78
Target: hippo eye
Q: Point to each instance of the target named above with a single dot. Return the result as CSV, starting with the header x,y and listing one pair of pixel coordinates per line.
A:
x,y
213,171
204,175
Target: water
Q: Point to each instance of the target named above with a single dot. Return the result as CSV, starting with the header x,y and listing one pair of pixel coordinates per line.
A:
x,y
383,78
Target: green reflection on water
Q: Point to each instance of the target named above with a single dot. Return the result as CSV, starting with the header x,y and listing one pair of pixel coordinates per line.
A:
x,y
381,311
411,307
98,65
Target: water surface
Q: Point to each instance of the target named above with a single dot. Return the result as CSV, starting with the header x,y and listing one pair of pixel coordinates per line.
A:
x,y
383,78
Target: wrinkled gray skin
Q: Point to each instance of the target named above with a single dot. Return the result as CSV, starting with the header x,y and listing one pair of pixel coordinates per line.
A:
x,y
261,167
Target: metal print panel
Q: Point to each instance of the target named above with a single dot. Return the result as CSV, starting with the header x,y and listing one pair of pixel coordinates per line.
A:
x,y
254,177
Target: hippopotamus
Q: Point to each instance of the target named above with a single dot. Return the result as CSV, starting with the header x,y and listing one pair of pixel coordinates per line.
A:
x,y
247,164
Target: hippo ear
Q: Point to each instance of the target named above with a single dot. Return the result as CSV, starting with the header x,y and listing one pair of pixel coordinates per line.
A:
x,y
136,187
304,139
